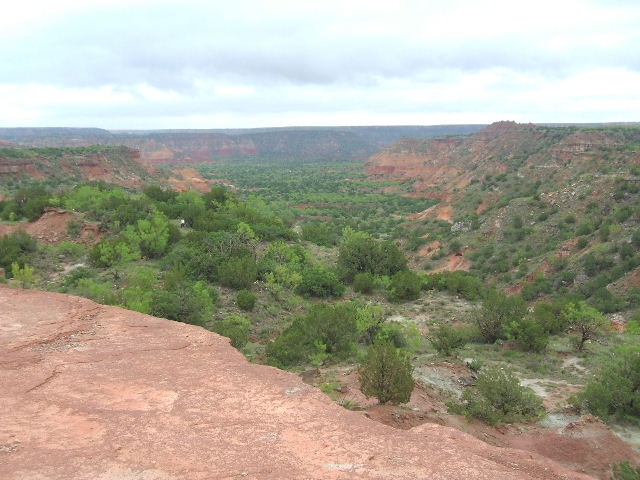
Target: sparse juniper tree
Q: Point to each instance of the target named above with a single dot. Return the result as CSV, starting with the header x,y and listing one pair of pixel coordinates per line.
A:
x,y
386,374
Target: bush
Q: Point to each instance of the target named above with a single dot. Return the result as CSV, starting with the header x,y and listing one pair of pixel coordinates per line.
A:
x,y
624,471
182,299
110,252
246,300
530,334
498,311
605,301
446,339
319,233
363,282
317,281
614,391
498,397
16,247
456,283
236,328
238,272
30,202
405,285
386,374
550,317
327,331
360,253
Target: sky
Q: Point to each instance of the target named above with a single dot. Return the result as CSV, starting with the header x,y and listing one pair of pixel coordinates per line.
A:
x,y
138,64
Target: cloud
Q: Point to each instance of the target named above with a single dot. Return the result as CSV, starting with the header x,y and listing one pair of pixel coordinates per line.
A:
x,y
195,60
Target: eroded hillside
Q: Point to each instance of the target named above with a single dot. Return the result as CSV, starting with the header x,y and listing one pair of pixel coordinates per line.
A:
x,y
527,203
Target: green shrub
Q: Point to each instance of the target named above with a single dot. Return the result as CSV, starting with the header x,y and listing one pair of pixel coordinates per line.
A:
x,y
25,274
319,233
446,339
459,283
404,335
74,227
614,392
360,253
16,247
319,282
582,243
112,251
605,301
238,272
235,327
530,334
405,285
100,292
246,300
363,282
182,299
497,311
386,374
498,397
327,331
549,316
624,471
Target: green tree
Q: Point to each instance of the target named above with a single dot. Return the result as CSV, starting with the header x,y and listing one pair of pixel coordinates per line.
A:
x,y
356,255
30,202
319,233
329,330
386,374
549,316
182,299
585,320
113,251
139,290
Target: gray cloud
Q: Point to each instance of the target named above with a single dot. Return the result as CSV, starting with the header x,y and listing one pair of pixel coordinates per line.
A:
x,y
435,56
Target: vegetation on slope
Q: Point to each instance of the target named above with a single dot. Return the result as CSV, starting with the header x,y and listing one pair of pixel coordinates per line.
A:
x,y
309,263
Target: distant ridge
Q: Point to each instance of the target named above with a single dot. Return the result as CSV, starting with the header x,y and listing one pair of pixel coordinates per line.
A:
x,y
195,146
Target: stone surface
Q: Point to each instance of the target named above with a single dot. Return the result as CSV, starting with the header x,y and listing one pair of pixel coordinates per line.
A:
x,y
95,392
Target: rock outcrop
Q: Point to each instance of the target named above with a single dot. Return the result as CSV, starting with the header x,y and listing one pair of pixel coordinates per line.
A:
x,y
95,392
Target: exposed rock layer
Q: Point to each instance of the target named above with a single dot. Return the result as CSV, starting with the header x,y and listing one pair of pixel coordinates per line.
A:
x,y
95,392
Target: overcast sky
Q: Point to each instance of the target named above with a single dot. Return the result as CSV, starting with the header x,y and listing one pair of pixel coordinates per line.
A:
x,y
138,64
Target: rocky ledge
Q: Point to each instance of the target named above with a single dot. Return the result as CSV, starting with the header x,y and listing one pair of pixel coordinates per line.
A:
x,y
95,392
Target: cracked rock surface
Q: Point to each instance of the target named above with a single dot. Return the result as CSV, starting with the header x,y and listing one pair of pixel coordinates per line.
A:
x,y
96,392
